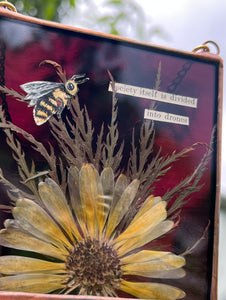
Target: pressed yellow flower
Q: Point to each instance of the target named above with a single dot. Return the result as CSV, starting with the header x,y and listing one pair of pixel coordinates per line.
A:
x,y
81,249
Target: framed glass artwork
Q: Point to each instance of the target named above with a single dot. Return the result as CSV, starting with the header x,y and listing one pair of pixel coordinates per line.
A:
x,y
110,165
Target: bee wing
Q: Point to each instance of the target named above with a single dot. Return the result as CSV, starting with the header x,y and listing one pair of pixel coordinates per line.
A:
x,y
38,89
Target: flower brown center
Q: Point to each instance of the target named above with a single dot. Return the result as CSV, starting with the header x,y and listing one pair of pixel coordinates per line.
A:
x,y
93,267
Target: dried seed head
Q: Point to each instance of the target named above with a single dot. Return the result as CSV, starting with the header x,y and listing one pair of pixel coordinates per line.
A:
x,y
94,266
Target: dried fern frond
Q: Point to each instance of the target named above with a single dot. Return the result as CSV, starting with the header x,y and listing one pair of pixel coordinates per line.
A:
x,y
140,154
82,128
145,166
13,93
178,195
18,154
13,191
153,103
111,157
28,174
75,138
69,147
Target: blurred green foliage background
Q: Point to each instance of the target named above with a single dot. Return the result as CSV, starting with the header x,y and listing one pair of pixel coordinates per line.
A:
x,y
119,17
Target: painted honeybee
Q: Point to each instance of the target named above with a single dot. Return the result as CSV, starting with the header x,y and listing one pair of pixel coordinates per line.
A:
x,y
49,98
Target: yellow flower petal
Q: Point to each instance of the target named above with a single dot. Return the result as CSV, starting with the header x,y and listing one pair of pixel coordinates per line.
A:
x,y
75,200
35,220
11,264
161,274
24,241
107,180
105,201
89,193
11,223
73,187
158,264
152,291
126,246
146,206
56,203
142,256
145,223
32,283
120,186
122,206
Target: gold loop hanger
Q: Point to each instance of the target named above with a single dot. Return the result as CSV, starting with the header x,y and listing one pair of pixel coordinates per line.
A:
x,y
205,48
201,47
8,5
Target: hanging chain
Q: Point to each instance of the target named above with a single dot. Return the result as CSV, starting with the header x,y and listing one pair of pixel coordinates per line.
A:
x,y
186,67
180,76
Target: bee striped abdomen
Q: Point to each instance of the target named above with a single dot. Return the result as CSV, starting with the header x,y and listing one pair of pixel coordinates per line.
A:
x,y
44,109
48,107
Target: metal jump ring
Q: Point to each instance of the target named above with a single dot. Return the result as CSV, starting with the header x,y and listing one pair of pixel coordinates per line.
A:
x,y
205,48
201,47
8,5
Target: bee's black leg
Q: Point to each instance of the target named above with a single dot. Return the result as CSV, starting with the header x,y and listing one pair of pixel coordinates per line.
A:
x,y
68,104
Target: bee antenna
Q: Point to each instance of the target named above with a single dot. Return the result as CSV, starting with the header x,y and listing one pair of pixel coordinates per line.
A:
x,y
79,79
76,76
